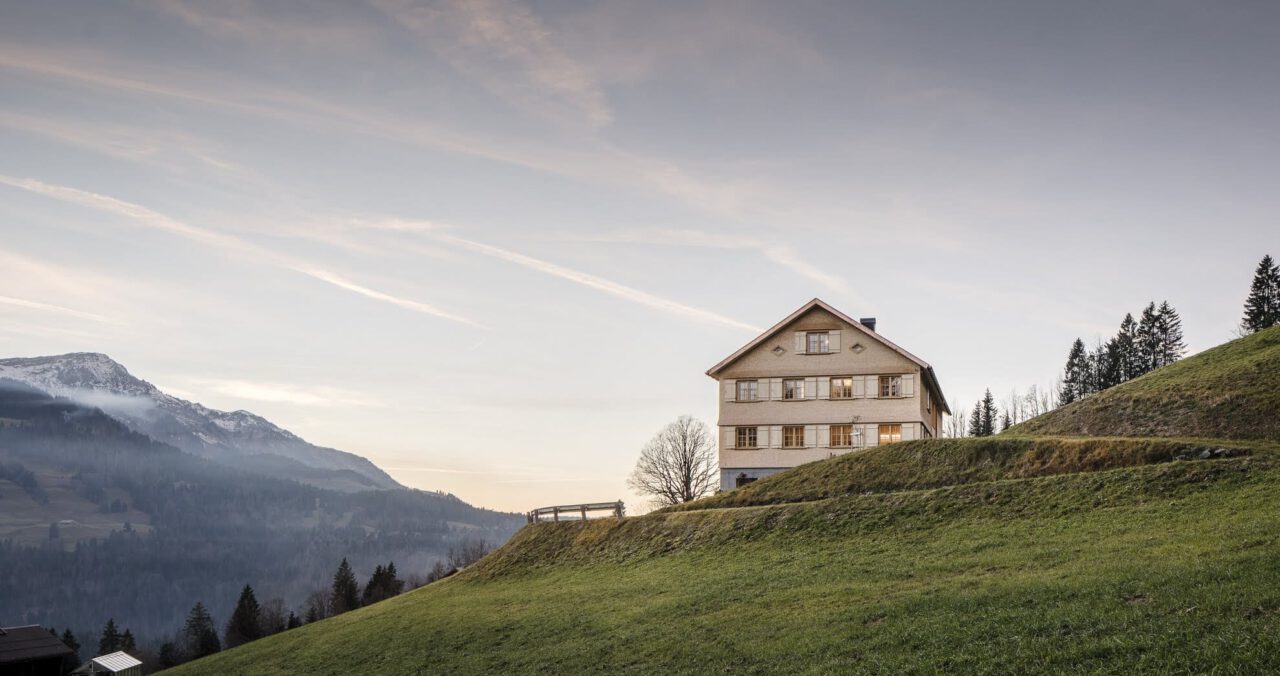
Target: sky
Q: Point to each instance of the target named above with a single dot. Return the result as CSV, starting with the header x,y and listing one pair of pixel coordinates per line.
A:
x,y
494,246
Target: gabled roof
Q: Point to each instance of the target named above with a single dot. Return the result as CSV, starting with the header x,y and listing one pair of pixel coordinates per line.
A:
x,y
930,378
32,642
116,661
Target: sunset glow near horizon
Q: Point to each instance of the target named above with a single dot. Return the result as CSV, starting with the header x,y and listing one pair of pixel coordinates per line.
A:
x,y
494,246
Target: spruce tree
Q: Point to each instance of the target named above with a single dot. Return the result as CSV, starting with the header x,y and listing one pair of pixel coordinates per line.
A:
x,y
110,640
199,634
244,626
1262,307
71,661
1075,374
293,622
982,423
1126,342
346,591
1108,362
1169,324
1148,334
127,643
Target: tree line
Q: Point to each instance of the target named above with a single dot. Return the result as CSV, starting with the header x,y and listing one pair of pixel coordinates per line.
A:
x,y
1139,346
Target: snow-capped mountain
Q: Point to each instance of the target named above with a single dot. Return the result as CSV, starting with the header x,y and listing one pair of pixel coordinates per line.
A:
x,y
234,437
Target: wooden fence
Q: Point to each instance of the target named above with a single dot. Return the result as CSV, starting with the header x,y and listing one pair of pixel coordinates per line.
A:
x,y
580,512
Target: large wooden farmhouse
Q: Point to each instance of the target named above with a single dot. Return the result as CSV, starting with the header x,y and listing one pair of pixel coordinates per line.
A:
x,y
816,385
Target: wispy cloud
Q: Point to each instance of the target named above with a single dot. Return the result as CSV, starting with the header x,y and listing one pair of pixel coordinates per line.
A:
x,y
592,281
285,393
50,307
782,254
505,47
227,243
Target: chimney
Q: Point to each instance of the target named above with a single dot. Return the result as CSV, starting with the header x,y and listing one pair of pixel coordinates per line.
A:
x,y
869,322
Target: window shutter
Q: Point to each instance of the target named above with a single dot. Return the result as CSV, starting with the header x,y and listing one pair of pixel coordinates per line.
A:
x,y
775,388
728,437
873,387
834,341
824,388
810,388
730,390
775,437
810,435
908,385
859,387
871,435
800,346
908,431
824,437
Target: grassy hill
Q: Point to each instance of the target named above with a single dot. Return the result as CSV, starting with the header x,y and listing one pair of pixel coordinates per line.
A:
x,y
1014,554
1229,392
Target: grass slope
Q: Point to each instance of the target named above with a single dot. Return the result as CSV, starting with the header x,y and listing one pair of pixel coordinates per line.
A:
x,y
1229,392
1154,568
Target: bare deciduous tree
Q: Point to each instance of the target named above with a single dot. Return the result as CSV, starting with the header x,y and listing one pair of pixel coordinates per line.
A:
x,y
677,465
954,427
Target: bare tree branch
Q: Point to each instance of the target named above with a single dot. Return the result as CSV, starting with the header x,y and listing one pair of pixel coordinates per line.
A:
x,y
678,464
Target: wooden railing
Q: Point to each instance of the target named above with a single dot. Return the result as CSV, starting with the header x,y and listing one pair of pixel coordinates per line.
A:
x,y
577,512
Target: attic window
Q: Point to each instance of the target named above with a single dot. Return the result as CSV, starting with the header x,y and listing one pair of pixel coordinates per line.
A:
x,y
778,350
857,347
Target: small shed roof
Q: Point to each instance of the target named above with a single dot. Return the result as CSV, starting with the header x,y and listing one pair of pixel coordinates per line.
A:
x,y
32,642
117,661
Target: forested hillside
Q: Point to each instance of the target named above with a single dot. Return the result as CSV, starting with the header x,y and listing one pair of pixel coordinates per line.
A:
x,y
100,521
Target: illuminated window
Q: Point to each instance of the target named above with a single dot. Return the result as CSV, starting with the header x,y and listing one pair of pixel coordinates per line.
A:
x,y
793,388
842,388
841,435
746,437
890,433
793,436
891,386
747,390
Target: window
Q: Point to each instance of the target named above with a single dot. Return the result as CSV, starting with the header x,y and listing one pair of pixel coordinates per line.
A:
x,y
928,401
817,342
890,433
842,388
743,480
747,390
793,436
841,436
793,388
746,437
891,386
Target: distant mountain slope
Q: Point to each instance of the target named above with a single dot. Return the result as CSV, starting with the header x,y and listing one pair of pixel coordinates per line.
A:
x,y
1230,392
99,521
233,437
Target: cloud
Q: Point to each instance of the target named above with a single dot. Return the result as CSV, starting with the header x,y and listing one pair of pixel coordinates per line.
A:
x,y
298,395
782,254
591,281
49,307
510,51
227,243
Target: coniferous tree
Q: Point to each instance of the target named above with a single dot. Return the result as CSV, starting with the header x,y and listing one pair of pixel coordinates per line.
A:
x,y
294,622
1262,307
1108,362
110,640
1127,349
982,423
346,591
1075,375
243,626
1169,326
127,643
170,655
199,635
1148,334
1006,421
71,661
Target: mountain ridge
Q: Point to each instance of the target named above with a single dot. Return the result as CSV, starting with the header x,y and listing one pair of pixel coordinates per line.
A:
x,y
237,437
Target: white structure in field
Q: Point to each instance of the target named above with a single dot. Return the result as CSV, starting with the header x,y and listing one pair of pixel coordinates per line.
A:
x,y
816,385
